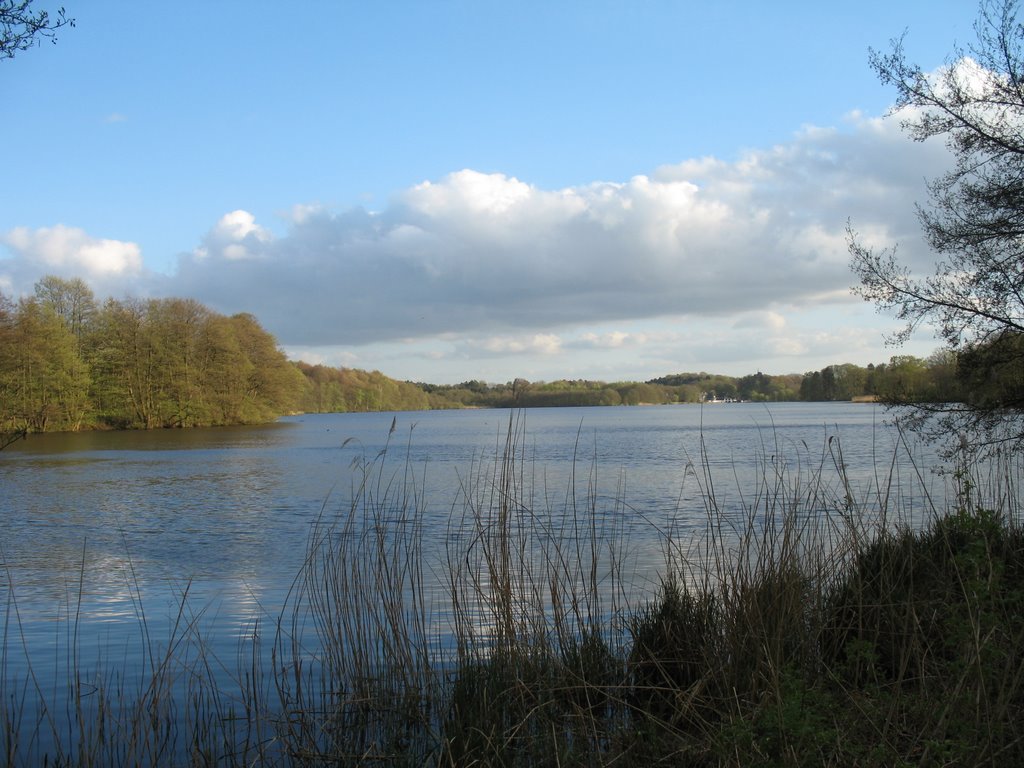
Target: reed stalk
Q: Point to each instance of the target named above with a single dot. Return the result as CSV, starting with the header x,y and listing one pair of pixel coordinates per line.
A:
x,y
810,620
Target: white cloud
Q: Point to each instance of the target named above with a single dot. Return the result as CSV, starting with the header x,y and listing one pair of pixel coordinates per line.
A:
x,y
70,250
612,339
235,237
478,266
469,191
301,212
488,252
111,267
539,343
782,347
762,321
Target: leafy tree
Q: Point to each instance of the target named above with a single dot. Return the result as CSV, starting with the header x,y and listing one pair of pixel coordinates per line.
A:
x,y
21,27
641,394
47,382
787,386
224,369
72,301
271,383
905,380
991,376
174,330
323,393
760,387
974,218
11,427
340,390
67,363
811,388
126,367
849,381
519,388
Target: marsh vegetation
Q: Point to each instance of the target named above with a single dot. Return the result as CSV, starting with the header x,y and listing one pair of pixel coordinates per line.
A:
x,y
808,624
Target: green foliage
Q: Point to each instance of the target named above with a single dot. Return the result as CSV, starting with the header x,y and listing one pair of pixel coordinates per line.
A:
x,y
344,390
44,381
904,379
68,364
676,640
928,625
340,390
913,607
991,375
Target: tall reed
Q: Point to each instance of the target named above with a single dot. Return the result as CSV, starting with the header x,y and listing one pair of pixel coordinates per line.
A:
x,y
810,620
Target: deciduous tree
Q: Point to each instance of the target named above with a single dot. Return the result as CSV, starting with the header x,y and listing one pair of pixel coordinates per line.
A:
x,y
70,300
21,27
11,428
973,219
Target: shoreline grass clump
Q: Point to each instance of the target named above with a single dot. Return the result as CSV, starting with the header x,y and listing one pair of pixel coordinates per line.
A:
x,y
811,623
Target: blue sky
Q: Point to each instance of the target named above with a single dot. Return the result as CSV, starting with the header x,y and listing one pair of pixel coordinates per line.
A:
x,y
480,190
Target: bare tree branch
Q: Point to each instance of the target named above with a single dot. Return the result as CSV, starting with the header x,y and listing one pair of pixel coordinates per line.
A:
x,y
974,223
21,27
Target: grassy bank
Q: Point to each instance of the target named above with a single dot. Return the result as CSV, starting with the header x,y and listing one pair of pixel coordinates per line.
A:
x,y
805,626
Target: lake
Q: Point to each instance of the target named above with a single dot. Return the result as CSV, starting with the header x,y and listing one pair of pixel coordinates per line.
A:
x,y
102,535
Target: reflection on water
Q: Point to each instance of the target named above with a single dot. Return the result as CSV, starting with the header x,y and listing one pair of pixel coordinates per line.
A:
x,y
113,529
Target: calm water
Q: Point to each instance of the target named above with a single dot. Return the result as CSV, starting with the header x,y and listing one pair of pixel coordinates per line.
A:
x,y
116,527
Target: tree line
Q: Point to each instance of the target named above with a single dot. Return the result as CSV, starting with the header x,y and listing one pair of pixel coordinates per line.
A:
x,y
904,379
69,362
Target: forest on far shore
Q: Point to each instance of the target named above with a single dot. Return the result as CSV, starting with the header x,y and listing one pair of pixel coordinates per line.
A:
x,y
911,378
69,362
